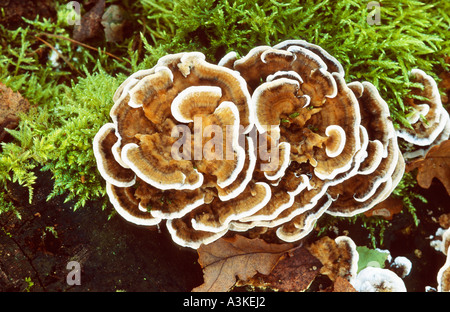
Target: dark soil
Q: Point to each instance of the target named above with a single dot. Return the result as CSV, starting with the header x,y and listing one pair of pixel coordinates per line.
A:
x,y
113,255
403,238
13,11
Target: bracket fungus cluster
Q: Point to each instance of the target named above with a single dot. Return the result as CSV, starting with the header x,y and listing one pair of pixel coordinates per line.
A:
x,y
271,140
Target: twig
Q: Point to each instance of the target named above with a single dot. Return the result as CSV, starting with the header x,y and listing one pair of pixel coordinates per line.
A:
x,y
59,54
79,43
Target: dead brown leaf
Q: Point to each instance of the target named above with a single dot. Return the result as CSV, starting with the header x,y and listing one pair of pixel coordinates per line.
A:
x,y
11,104
343,285
294,272
444,220
436,164
386,209
229,259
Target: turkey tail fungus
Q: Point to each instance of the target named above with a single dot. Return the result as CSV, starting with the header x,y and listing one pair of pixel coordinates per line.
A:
x,y
272,141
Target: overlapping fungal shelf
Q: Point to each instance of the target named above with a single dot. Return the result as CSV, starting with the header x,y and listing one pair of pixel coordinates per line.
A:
x,y
430,122
272,140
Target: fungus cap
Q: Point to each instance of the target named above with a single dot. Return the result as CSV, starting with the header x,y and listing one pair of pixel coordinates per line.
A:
x,y
382,167
336,140
332,64
127,206
372,279
338,256
426,129
112,171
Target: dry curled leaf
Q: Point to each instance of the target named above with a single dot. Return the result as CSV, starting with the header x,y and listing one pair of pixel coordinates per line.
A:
x,y
436,164
294,272
238,257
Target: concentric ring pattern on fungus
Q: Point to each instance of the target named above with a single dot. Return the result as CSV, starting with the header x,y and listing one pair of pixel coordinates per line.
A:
x,y
271,140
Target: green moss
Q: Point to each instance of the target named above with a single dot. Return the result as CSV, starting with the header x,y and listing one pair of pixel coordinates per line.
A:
x,y
72,98
7,206
58,137
405,191
375,226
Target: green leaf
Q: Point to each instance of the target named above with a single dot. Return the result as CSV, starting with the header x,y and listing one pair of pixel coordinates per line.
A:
x,y
371,257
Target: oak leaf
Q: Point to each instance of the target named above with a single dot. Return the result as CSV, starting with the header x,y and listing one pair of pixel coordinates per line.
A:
x,y
227,259
295,271
436,164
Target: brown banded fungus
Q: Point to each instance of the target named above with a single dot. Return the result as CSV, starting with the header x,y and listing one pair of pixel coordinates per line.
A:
x,y
339,257
343,146
173,150
272,140
430,122
383,165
